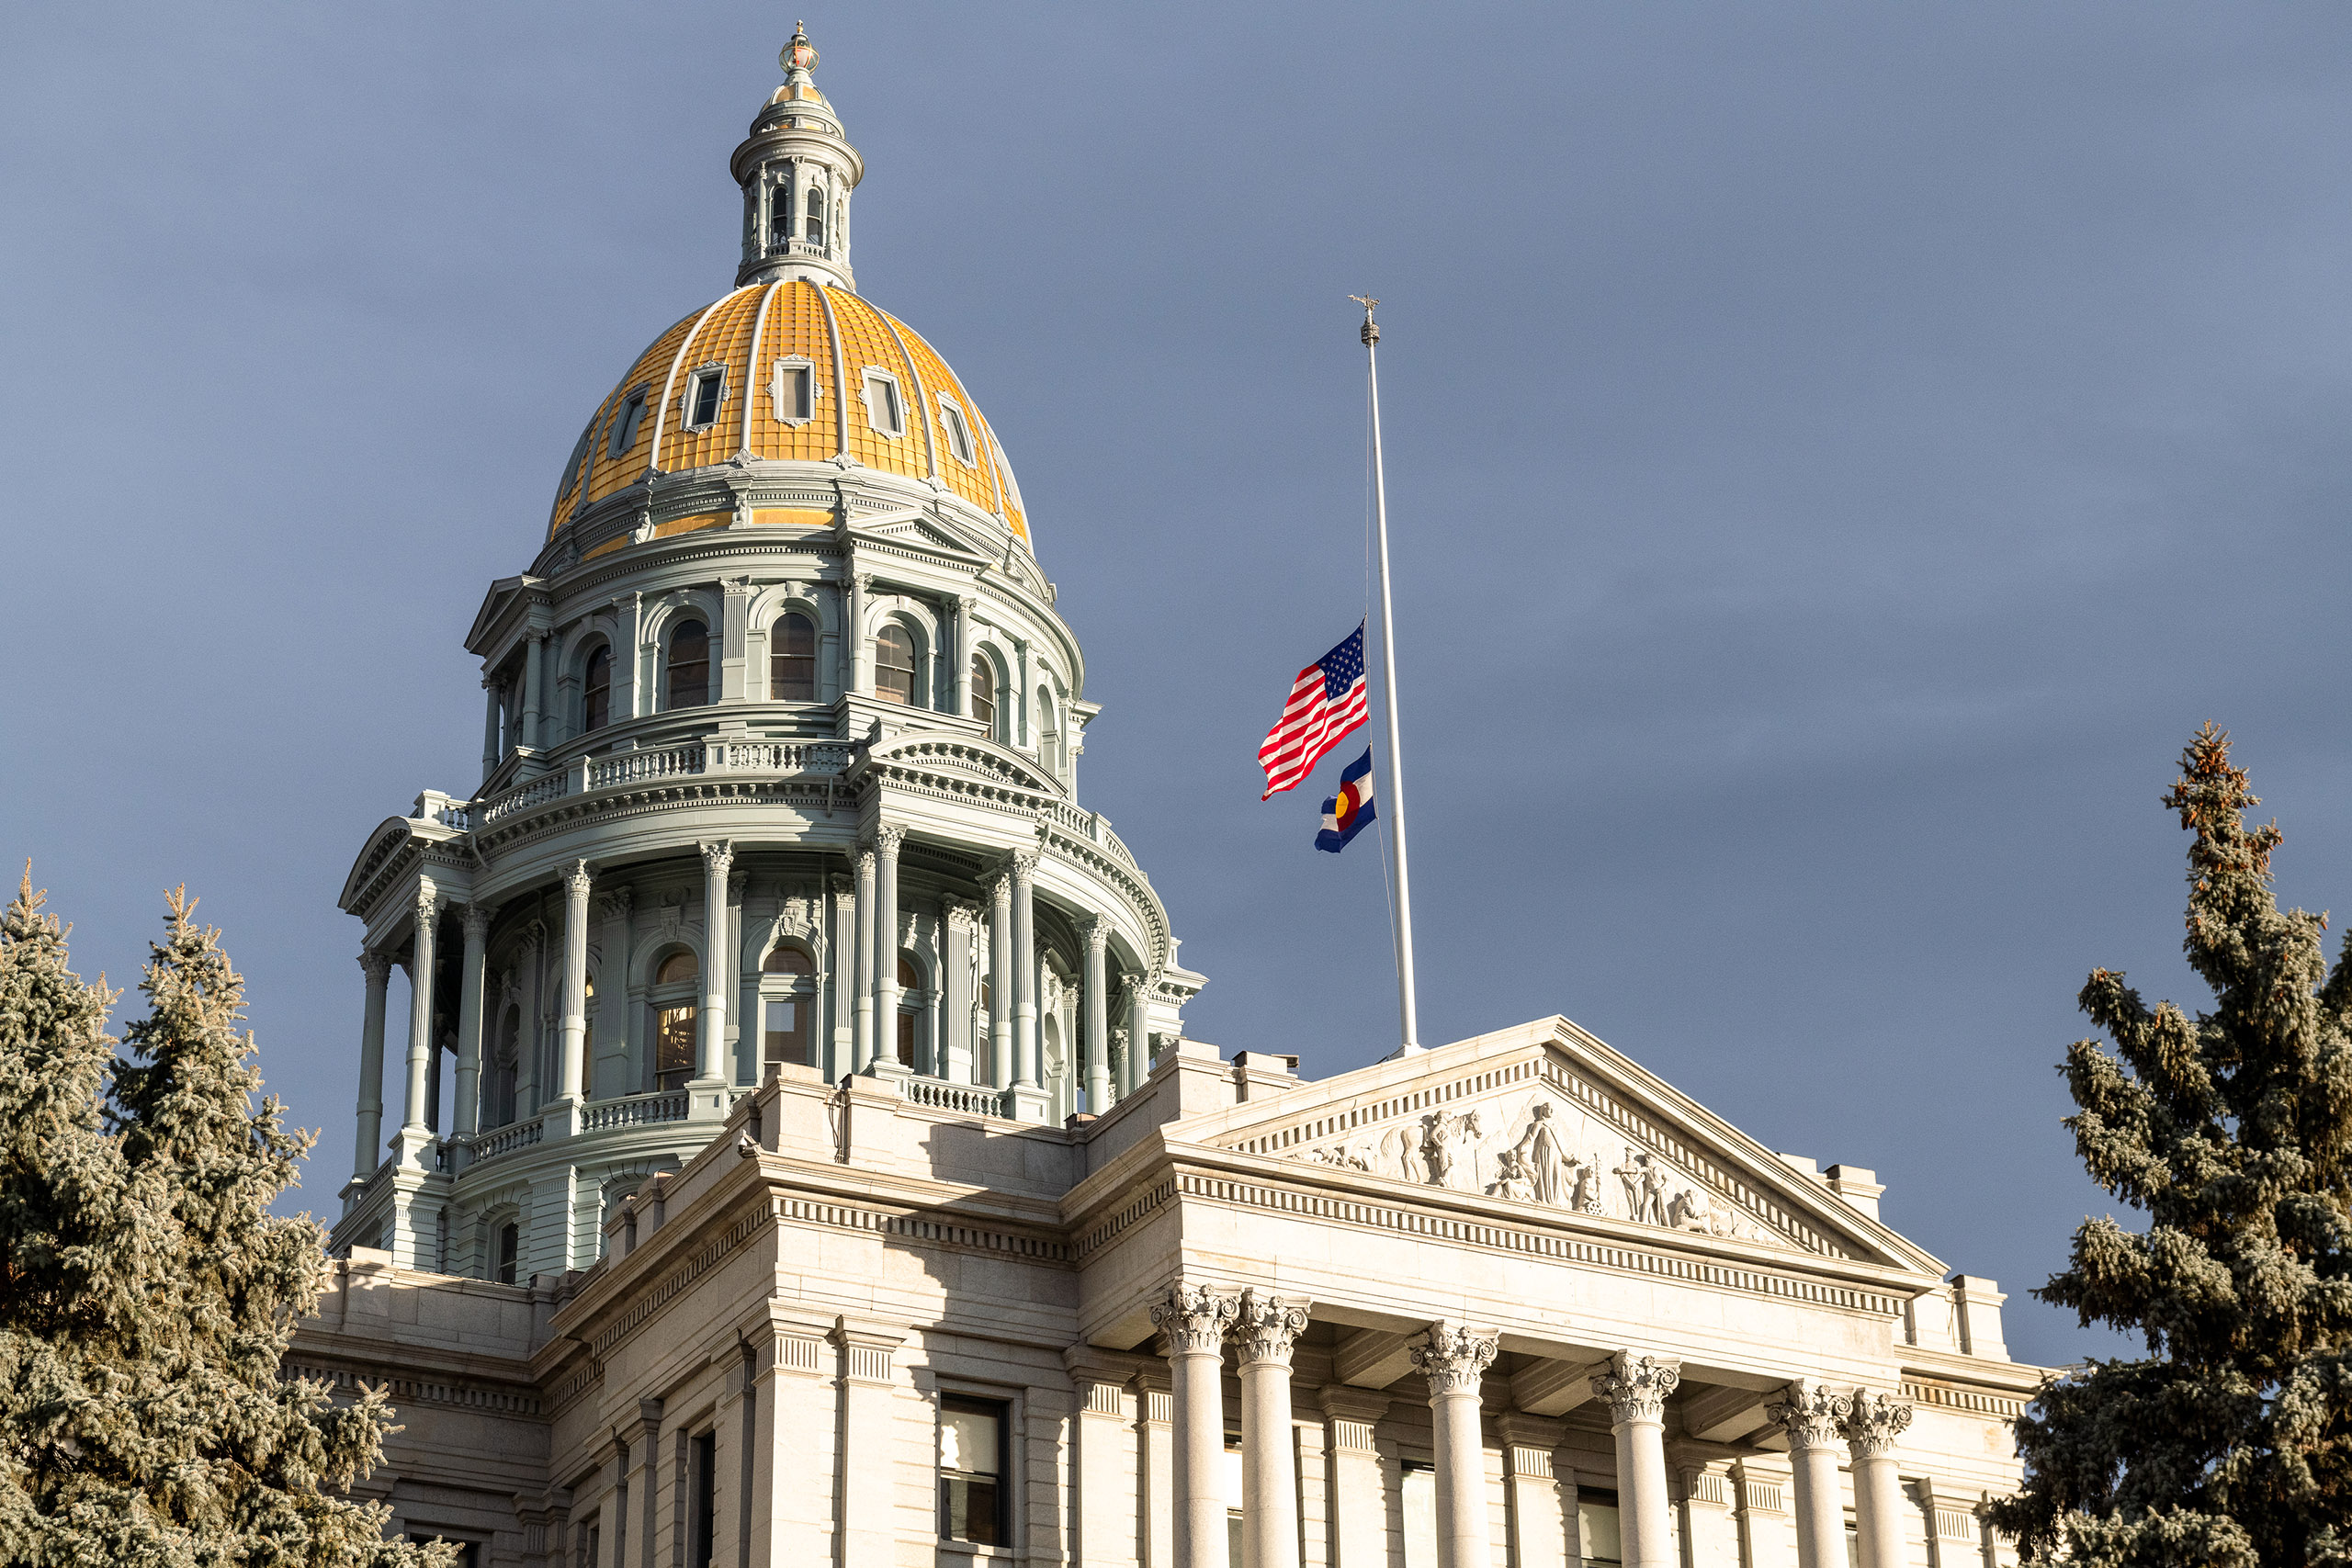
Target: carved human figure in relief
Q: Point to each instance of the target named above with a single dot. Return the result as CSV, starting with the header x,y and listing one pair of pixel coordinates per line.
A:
x,y
1644,1185
1436,1149
1540,1157
1689,1211
1583,1189
1511,1179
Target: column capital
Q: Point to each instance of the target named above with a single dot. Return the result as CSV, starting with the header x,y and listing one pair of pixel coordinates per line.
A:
x,y
887,838
1193,1319
1872,1423
963,915
718,854
1635,1387
842,885
477,923
617,904
579,879
1134,984
1021,864
1266,1326
376,964
429,898
866,858
862,581
1809,1411
1455,1358
1096,931
999,886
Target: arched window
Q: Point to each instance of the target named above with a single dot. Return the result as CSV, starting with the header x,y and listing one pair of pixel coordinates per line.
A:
x,y
596,694
816,207
984,691
1045,729
894,665
675,1015
780,217
510,1251
787,999
689,665
792,659
912,1007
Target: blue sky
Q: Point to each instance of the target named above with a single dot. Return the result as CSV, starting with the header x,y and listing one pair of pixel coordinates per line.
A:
x,y
1837,455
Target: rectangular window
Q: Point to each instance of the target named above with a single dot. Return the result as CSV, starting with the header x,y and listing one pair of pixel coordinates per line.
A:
x,y
787,1031
673,1046
702,1476
972,1496
882,411
593,1552
959,434
1597,1528
626,420
1233,1495
1419,1499
702,399
795,390
510,1244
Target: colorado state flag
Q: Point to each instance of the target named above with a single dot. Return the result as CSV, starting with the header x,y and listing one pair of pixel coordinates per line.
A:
x,y
1351,809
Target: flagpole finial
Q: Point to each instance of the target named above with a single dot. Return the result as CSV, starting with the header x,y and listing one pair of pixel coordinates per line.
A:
x,y
1371,333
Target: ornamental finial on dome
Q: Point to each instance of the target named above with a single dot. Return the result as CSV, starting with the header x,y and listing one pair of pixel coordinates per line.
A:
x,y
798,57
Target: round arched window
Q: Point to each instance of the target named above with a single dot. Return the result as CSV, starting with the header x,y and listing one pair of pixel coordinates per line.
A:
x,y
675,1015
815,227
894,665
596,696
910,1009
787,998
984,691
792,659
689,665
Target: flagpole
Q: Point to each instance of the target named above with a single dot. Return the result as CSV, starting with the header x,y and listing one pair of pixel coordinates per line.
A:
x,y
1393,808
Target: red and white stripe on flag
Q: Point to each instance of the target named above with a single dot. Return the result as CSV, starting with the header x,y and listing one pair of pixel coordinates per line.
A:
x,y
1329,699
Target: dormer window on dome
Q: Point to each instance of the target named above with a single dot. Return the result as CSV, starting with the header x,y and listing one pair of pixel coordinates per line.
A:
x,y
706,389
884,410
622,433
793,389
959,434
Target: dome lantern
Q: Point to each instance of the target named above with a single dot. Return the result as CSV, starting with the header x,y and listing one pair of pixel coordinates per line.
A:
x,y
797,171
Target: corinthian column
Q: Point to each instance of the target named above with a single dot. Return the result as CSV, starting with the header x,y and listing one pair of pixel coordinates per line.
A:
x,y
368,1141
1870,1427
469,978
717,857
1636,1388
420,1012
1264,1330
1138,1036
1455,1359
999,1044
571,1066
1024,971
1098,1018
861,1052
886,951
1193,1319
1809,1413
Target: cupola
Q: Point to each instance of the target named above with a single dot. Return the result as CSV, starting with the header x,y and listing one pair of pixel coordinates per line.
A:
x,y
797,170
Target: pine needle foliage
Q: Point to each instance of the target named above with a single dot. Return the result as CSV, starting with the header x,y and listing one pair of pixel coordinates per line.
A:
x,y
2229,1444
147,1293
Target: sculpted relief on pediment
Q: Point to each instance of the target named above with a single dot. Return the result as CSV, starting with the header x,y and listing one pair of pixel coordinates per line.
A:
x,y
1543,1147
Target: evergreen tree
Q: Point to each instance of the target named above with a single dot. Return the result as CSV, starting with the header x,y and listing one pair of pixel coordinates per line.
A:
x,y
2229,1444
150,1294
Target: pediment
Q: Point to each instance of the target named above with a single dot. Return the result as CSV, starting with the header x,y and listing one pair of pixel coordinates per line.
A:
x,y
984,761
1547,1116
920,531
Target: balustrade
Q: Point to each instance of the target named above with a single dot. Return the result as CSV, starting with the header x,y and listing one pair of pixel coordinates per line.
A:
x,y
636,1110
962,1099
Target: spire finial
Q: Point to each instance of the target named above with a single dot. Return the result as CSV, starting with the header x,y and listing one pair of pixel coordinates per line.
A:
x,y
1371,333
798,55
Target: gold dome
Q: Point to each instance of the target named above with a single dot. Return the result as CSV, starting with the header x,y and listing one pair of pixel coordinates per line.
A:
x,y
827,336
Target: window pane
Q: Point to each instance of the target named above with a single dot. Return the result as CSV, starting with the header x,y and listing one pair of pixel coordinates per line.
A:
x,y
1420,1517
816,226
984,690
969,1435
674,1045
780,217
786,961
894,665
705,408
597,702
787,1033
689,665
906,1037
792,393
1597,1528
792,659
676,968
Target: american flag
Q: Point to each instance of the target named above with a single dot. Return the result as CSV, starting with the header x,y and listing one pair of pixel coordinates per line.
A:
x,y
1327,701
